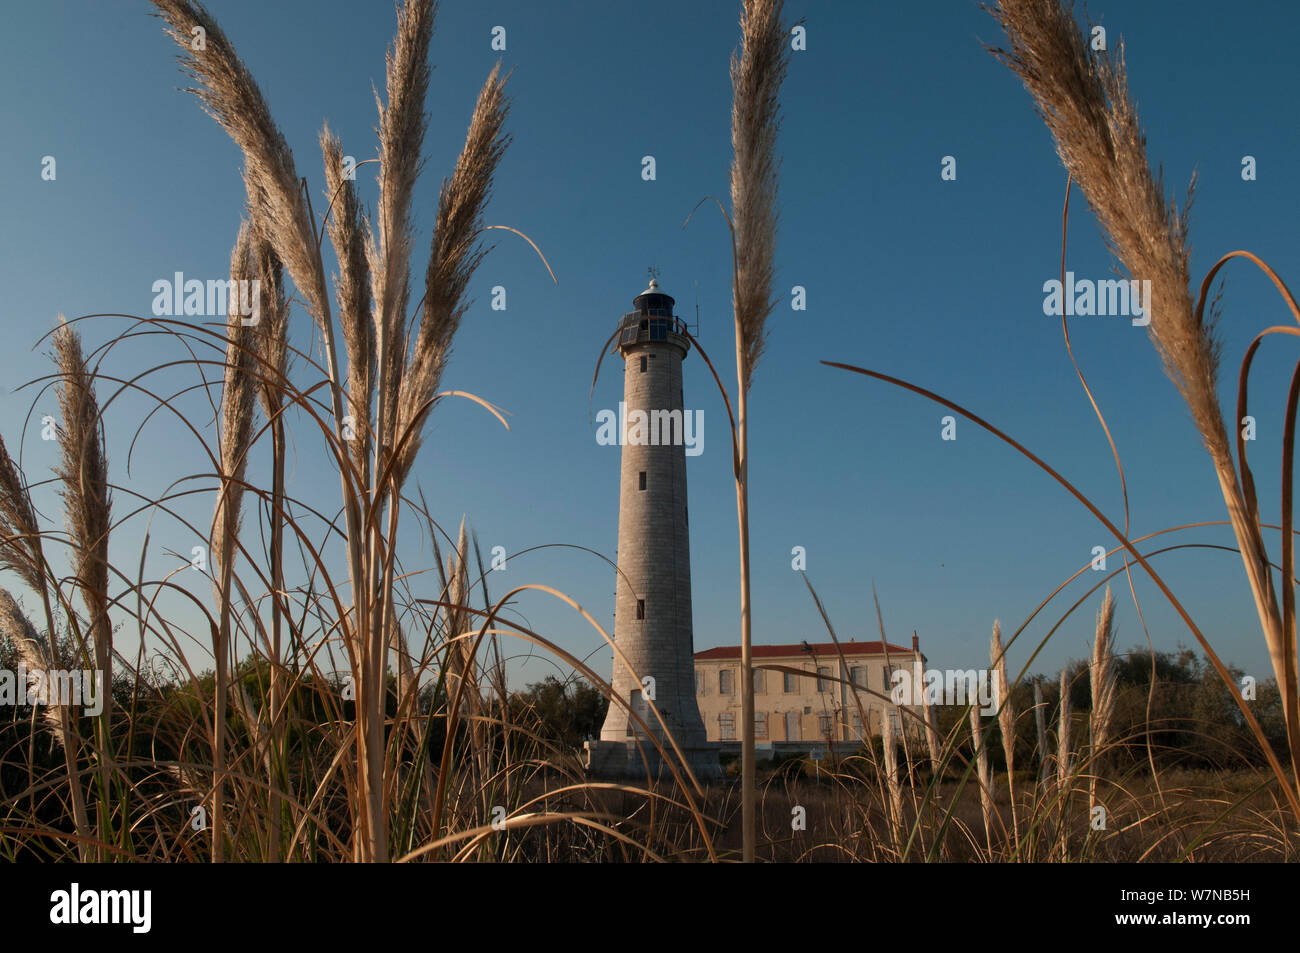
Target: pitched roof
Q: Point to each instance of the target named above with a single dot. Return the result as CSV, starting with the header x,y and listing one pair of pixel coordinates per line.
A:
x,y
822,649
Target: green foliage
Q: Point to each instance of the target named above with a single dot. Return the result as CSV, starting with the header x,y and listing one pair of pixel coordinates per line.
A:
x,y
566,713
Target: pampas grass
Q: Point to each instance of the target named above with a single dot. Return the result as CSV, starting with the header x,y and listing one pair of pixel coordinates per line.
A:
x,y
399,370
1006,717
1040,728
1084,101
21,551
453,258
983,772
1063,765
83,471
756,76
20,538
1104,684
238,403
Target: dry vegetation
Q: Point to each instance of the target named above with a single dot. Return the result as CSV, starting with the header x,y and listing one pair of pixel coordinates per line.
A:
x,y
346,718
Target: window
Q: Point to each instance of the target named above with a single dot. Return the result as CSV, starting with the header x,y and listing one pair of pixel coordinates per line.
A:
x,y
727,725
758,680
643,363
858,675
760,725
640,608
823,673
824,724
857,724
724,681
886,672
642,478
791,683
700,688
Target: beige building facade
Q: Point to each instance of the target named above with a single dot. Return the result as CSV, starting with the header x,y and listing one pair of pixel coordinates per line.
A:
x,y
809,696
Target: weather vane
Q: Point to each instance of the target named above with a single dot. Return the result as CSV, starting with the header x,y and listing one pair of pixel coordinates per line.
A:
x,y
653,271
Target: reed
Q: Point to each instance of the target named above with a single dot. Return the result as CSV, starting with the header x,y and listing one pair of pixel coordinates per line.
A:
x,y
83,472
1084,101
756,76
400,372
1064,764
984,773
1103,683
1006,718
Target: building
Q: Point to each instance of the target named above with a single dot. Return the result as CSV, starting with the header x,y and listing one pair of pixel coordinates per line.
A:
x,y
814,704
653,630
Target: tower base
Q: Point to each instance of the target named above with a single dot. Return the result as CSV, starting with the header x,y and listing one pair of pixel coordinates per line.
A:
x,y
622,759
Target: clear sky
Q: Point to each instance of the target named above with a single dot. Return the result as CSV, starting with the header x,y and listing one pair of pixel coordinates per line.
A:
x,y
938,282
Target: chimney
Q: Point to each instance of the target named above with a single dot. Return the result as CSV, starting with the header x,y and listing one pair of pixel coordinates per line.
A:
x,y
916,643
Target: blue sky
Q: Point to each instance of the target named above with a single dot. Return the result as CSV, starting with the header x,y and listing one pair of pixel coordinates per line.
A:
x,y
938,282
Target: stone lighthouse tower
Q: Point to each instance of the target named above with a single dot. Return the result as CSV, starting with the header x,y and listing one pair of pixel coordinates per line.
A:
x,y
652,614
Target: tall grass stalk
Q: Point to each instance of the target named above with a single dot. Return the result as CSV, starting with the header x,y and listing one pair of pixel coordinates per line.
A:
x,y
407,369
984,773
238,403
1084,101
22,552
1040,728
1103,681
1063,766
756,76
83,471
1006,718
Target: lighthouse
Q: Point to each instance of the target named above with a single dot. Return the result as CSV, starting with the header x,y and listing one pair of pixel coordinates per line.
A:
x,y
653,631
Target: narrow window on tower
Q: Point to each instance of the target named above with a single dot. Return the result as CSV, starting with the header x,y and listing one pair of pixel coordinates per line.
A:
x,y
640,608
643,363
643,479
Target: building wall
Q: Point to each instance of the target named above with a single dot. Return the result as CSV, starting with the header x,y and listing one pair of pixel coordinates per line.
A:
x,y
807,712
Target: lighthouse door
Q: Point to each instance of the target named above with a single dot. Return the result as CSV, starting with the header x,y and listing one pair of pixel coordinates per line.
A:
x,y
640,708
